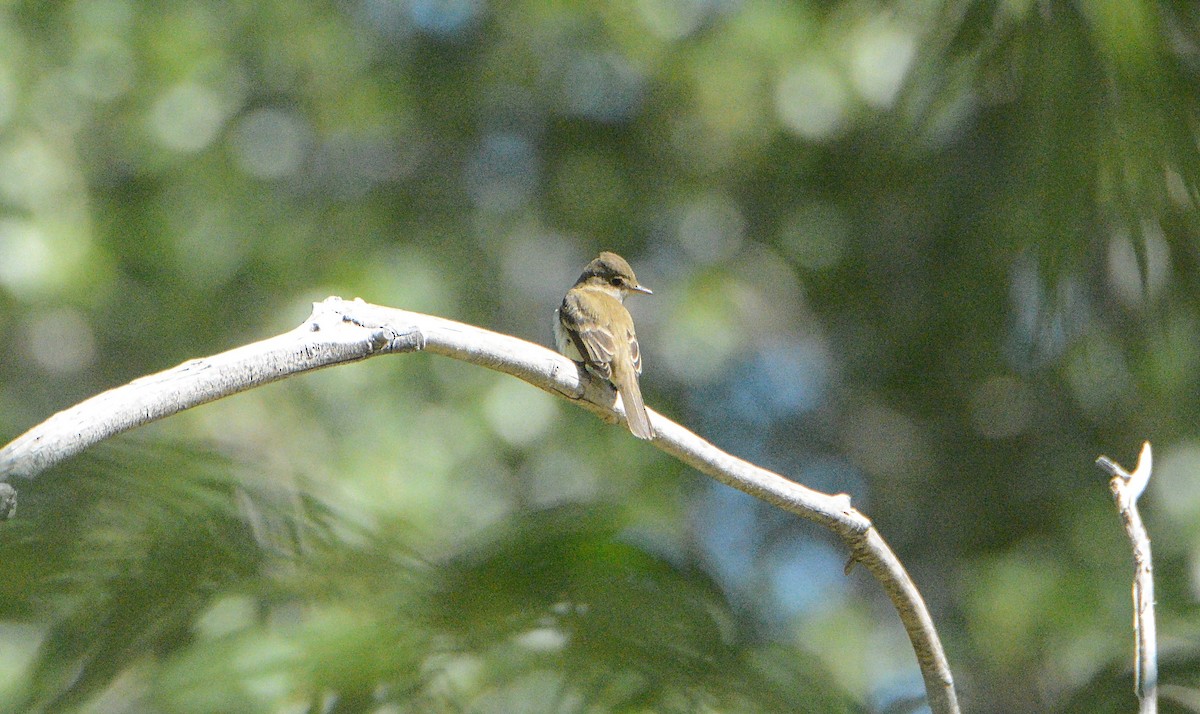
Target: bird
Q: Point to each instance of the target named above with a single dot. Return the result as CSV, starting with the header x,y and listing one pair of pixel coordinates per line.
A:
x,y
593,326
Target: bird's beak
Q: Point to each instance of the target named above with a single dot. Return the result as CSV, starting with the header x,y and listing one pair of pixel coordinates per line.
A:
x,y
640,289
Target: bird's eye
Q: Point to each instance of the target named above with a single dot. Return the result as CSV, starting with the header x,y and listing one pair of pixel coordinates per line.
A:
x,y
618,280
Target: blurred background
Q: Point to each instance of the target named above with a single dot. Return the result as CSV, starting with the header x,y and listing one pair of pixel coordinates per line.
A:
x,y
939,255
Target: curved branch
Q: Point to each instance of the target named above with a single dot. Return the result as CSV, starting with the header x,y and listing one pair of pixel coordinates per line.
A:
x,y
339,331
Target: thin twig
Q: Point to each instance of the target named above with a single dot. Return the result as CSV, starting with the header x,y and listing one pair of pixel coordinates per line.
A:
x,y
340,331
1126,488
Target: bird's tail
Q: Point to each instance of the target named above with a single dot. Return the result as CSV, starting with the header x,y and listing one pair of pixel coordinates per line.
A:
x,y
635,410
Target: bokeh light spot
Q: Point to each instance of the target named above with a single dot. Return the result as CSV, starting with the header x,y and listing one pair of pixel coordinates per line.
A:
x,y
26,261
19,645
700,335
542,640
227,615
408,279
270,143
518,413
1132,285
673,19
60,341
811,101
1176,482
445,18
187,117
103,70
711,228
540,266
881,57
33,175
601,87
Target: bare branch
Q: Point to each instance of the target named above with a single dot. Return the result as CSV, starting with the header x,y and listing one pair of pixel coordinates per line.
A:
x,y
1126,488
340,331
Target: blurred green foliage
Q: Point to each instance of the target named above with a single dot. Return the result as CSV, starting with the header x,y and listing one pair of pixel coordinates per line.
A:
x,y
936,254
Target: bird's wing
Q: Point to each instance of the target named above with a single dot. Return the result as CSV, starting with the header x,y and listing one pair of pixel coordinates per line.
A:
x,y
635,352
615,357
595,343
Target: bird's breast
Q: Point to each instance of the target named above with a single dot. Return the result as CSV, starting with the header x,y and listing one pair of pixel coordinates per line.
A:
x,y
563,341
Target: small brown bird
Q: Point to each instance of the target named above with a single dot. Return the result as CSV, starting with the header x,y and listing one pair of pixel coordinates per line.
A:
x,y
592,326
